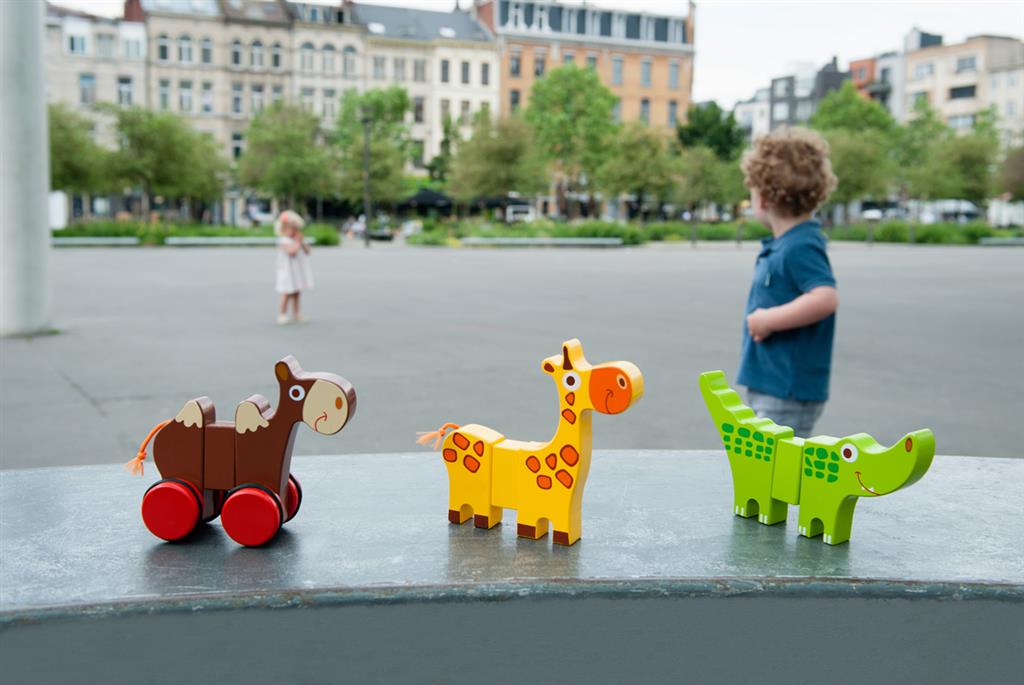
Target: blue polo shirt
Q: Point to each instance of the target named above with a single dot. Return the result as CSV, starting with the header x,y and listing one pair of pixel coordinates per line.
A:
x,y
793,364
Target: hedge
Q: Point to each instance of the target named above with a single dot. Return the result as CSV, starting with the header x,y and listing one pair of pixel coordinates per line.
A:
x,y
156,234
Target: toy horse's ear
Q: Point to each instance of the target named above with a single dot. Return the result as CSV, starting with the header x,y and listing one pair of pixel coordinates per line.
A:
x,y
287,368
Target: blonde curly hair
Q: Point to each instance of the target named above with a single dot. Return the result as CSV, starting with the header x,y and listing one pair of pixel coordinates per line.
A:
x,y
288,217
790,168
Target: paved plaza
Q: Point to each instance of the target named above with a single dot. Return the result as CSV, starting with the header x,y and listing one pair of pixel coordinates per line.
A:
x,y
927,337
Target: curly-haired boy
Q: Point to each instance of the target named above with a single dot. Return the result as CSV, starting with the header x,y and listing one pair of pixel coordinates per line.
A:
x,y
787,335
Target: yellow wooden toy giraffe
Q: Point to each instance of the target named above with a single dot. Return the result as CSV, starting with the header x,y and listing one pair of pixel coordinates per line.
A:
x,y
542,481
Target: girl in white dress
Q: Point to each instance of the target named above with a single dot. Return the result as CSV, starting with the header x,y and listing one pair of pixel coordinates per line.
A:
x,y
294,273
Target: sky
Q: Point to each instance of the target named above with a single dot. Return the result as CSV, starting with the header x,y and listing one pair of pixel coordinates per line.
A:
x,y
742,44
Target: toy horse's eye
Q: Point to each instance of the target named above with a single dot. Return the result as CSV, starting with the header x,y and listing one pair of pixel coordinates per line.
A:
x,y
296,392
571,381
849,453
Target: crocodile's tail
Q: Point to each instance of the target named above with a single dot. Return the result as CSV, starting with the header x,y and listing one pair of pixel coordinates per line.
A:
x,y
733,418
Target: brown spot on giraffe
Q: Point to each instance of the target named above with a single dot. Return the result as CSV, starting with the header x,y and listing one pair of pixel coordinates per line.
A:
x,y
449,454
471,463
571,398
460,441
548,367
533,463
544,482
569,455
564,478
569,415
551,460
478,447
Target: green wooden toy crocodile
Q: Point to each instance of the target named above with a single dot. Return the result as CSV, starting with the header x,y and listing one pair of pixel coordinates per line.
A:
x,y
772,469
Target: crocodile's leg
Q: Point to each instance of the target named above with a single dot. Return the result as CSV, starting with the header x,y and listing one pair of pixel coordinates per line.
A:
x,y
839,523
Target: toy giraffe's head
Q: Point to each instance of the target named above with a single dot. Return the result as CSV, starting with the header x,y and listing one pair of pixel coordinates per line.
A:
x,y
323,401
610,388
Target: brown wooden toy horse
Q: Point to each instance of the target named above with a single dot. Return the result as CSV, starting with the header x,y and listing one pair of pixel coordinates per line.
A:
x,y
239,470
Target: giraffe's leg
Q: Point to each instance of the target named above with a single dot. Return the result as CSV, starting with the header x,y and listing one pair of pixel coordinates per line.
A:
x,y
567,528
531,525
458,513
490,519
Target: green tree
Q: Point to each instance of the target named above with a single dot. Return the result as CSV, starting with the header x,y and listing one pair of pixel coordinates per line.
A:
x,y
972,159
701,177
499,158
383,110
210,170
441,165
77,163
848,110
922,168
862,163
710,127
285,155
1011,175
639,163
570,111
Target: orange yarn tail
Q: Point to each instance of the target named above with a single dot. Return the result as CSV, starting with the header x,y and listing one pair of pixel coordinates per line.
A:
x,y
437,436
135,466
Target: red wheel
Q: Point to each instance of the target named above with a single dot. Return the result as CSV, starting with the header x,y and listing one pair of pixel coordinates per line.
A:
x,y
171,509
251,515
294,499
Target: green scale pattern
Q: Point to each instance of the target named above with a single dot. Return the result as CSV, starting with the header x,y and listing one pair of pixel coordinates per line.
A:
x,y
820,463
744,442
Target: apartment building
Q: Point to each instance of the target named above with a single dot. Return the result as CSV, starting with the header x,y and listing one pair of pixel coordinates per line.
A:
x,y
328,51
794,98
645,59
754,115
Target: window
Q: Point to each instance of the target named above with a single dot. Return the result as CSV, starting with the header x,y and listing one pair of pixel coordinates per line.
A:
x,y
781,88
236,145
185,96
645,73
76,45
514,100
515,65
994,83
380,67
306,57
1011,108
485,74
417,153
256,97
446,109
861,74
399,67
961,93
308,96
617,111
966,63
185,49
349,61
256,54
885,75
616,71
780,112
804,110
485,109
591,61
132,48
539,63
1011,80
164,94
206,51
236,98
236,53
276,56
276,93
920,97
464,113
961,122
568,57
206,98
465,73
678,31
330,103
417,109
445,65
673,112
419,70
105,45
328,57
163,47
124,91
673,75
86,89
645,111
517,15
923,70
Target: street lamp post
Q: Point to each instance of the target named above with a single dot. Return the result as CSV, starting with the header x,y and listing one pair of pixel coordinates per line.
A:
x,y
366,174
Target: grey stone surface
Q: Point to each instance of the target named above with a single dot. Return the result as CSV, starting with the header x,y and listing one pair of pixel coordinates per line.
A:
x,y
926,337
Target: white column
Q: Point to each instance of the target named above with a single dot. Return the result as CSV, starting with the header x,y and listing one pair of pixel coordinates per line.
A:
x,y
24,171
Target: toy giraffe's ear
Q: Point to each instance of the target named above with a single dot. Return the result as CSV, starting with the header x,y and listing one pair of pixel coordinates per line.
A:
x,y
550,364
287,368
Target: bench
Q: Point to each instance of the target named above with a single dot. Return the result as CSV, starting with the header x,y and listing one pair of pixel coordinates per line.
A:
x,y
94,241
476,241
221,241
371,584
993,241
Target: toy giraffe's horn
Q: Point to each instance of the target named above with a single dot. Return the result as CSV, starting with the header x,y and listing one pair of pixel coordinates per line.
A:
x,y
437,436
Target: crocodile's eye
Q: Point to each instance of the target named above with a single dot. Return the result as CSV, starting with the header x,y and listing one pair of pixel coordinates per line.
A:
x,y
849,453
296,392
571,381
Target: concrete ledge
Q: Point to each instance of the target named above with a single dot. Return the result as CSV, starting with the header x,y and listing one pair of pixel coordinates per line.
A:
x,y
474,241
93,241
371,584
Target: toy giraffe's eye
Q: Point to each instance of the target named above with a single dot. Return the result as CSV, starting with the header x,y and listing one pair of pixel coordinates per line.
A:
x,y
571,381
849,453
296,392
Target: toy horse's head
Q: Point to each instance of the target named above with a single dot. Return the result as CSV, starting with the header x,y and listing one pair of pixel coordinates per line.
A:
x,y
610,388
323,401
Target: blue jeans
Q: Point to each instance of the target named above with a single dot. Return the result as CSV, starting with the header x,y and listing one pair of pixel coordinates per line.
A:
x,y
798,415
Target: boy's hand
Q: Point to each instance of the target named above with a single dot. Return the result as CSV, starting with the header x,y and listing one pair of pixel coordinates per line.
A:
x,y
757,324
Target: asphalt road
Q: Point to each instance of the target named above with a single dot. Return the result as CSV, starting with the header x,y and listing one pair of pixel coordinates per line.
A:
x,y
927,337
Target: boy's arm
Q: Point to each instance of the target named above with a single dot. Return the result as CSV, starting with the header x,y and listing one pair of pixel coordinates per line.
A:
x,y
811,307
